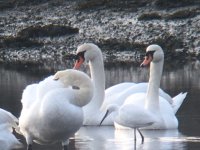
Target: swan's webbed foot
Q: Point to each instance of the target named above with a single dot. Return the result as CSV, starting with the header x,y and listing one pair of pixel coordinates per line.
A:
x,y
141,135
29,147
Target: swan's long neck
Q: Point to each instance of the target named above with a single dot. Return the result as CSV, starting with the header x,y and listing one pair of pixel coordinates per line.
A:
x,y
84,94
152,97
98,77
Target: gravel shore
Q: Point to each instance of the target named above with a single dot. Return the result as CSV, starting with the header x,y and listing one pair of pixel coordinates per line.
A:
x,y
52,30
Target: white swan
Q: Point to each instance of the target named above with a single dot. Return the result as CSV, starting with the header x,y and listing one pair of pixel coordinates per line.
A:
x,y
142,109
90,52
113,95
52,112
7,122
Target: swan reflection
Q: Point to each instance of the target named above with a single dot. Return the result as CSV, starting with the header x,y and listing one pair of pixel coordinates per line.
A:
x,y
106,138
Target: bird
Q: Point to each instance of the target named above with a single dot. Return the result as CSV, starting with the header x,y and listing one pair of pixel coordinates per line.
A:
x,y
8,123
147,109
52,109
91,53
94,111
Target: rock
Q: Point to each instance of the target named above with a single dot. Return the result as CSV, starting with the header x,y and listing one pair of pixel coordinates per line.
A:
x,y
49,30
18,42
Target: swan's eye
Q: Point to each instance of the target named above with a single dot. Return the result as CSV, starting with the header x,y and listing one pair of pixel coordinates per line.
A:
x,y
75,87
80,55
76,57
149,53
55,78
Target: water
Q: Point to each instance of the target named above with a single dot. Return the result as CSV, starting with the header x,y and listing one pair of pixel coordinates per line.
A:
x,y
175,79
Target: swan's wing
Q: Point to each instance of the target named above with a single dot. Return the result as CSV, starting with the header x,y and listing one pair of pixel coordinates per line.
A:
x,y
167,112
118,88
165,96
37,91
177,101
7,140
7,117
118,94
29,95
134,116
47,85
118,98
137,99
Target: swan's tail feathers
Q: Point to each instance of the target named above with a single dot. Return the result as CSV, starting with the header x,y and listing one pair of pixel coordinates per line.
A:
x,y
177,101
7,138
14,123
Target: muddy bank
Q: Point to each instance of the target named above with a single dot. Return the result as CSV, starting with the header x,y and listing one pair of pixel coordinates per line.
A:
x,y
37,31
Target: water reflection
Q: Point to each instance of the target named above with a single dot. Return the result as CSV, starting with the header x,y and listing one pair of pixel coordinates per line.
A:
x,y
174,80
107,138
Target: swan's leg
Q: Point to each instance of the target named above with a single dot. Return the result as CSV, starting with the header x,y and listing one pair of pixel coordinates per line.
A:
x,y
65,147
135,134
29,142
135,146
29,147
65,144
141,135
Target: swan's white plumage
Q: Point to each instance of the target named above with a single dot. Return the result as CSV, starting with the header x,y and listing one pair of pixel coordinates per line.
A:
x,y
7,117
129,115
119,97
27,100
117,89
177,101
164,120
113,95
7,122
7,140
54,112
143,107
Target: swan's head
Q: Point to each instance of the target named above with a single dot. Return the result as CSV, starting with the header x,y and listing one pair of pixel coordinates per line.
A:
x,y
70,77
110,108
86,52
62,76
154,53
84,88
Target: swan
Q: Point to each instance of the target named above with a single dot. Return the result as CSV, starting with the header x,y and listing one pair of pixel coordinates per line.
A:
x,y
55,113
93,112
147,109
7,122
92,53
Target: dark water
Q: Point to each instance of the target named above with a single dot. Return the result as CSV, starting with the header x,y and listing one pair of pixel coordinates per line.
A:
x,y
175,79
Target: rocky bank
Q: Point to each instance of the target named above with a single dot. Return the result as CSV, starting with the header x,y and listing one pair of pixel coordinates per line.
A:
x,y
47,30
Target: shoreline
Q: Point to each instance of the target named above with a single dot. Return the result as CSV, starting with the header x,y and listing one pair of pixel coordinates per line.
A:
x,y
49,31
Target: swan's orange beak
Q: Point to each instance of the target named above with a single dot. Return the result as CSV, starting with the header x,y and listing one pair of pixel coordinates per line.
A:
x,y
78,63
146,61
